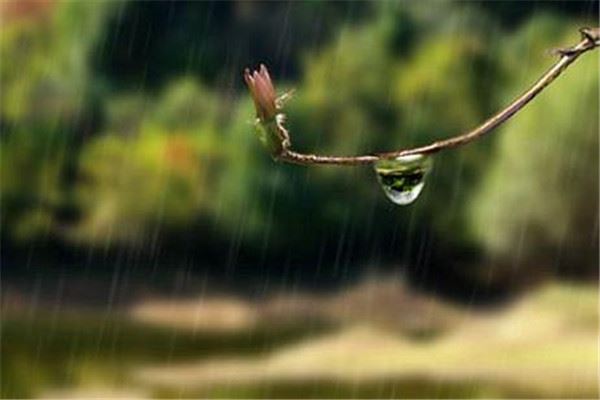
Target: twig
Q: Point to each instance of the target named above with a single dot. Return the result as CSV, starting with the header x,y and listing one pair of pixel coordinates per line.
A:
x,y
271,119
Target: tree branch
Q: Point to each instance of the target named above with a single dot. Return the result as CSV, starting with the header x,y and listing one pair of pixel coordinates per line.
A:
x,y
271,120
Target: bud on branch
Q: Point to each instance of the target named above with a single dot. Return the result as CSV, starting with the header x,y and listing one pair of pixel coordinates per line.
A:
x,y
269,122
270,118
263,93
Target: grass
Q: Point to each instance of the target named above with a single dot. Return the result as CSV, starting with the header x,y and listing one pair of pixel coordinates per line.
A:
x,y
73,349
543,345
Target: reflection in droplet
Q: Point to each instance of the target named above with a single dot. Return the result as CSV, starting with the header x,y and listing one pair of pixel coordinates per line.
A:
x,y
403,178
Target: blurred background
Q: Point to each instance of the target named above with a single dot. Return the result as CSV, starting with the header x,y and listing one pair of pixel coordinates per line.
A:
x,y
151,248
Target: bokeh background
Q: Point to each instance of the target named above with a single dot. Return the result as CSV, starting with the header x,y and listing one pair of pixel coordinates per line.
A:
x,y
151,248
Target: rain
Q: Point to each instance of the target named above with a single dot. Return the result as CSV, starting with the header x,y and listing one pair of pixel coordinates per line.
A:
x,y
171,227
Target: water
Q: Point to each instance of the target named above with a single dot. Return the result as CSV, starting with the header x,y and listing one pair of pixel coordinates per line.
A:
x,y
403,178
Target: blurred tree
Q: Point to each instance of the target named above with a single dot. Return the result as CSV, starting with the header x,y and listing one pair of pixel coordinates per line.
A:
x,y
221,38
186,104
159,175
446,87
538,203
45,106
30,174
121,126
350,103
132,188
47,80
511,16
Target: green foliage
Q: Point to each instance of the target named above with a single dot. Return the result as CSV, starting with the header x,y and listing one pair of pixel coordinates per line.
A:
x,y
342,105
48,74
248,181
443,88
157,143
132,187
157,170
186,104
30,175
539,198
45,104
125,126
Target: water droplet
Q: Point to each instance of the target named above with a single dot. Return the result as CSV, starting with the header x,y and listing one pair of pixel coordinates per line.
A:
x,y
403,178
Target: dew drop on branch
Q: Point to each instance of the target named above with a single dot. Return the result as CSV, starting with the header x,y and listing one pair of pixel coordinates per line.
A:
x,y
403,178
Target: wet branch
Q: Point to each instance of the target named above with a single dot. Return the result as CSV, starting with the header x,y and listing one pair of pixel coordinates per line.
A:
x,y
270,120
